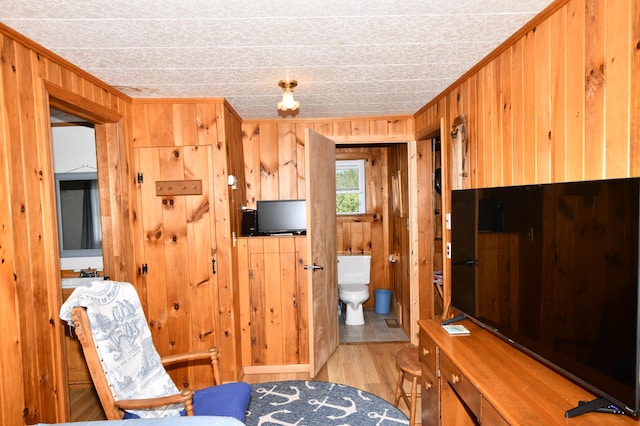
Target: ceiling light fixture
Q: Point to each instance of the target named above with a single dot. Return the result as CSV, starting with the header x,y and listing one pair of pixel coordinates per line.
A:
x,y
288,103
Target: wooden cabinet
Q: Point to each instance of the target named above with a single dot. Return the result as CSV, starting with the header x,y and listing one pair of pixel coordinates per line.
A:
x,y
273,303
430,389
77,370
481,379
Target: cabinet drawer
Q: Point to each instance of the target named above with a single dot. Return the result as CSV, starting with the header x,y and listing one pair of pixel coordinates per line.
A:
x,y
467,392
428,352
429,380
430,398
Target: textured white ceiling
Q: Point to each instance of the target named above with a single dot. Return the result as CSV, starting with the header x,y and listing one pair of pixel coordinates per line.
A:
x,y
350,57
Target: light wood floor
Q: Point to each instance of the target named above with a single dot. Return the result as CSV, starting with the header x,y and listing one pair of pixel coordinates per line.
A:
x,y
368,366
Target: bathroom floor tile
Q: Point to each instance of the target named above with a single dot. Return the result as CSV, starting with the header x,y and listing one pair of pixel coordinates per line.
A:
x,y
376,328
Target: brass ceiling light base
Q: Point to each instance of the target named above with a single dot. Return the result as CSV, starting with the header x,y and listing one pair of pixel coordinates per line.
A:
x,y
288,84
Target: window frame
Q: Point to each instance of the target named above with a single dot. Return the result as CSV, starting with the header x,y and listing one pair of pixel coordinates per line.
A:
x,y
359,166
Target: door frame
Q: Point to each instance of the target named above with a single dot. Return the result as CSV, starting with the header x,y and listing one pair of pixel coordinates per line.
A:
x,y
415,267
108,126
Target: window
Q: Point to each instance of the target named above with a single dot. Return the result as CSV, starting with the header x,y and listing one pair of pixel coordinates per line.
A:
x,y
350,189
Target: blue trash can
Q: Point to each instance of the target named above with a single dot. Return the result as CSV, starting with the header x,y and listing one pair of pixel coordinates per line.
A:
x,y
383,301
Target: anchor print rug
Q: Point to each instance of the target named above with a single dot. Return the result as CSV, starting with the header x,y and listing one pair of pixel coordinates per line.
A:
x,y
314,403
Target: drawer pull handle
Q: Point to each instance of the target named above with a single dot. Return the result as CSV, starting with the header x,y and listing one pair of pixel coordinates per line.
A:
x,y
455,379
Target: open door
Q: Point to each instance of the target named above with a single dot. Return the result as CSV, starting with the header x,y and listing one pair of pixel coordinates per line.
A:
x,y
320,160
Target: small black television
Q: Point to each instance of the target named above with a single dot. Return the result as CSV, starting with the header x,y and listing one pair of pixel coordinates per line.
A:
x,y
281,217
556,275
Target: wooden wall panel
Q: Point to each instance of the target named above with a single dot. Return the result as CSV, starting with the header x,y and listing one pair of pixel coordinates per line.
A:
x,y
269,182
575,65
617,103
634,78
543,95
287,161
504,115
566,86
557,149
32,339
529,89
273,303
594,90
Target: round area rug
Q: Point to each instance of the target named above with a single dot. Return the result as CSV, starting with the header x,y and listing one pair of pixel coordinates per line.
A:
x,y
314,403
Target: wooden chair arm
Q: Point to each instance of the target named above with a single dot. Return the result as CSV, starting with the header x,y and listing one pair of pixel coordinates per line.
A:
x,y
185,397
211,354
189,356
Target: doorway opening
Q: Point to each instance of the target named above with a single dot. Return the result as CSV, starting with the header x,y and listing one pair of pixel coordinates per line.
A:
x,y
379,230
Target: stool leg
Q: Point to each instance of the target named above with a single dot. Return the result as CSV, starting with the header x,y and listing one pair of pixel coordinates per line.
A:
x,y
399,388
414,397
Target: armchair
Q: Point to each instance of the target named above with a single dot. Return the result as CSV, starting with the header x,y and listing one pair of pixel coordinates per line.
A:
x,y
127,371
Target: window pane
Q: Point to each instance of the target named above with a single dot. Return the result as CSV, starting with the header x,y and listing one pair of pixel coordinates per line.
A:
x,y
350,187
347,179
347,203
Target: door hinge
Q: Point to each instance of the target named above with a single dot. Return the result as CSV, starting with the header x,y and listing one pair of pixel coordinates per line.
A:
x,y
250,274
144,270
140,177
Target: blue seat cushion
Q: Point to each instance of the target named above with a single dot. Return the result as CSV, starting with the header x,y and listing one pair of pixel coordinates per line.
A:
x,y
228,399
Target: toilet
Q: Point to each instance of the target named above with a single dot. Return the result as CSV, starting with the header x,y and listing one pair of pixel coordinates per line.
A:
x,y
354,276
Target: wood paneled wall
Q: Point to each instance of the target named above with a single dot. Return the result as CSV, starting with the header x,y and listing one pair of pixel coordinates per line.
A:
x,y
184,123
274,169
399,244
274,150
559,101
31,358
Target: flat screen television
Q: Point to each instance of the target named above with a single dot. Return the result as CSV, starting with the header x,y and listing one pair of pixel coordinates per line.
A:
x,y
553,269
281,217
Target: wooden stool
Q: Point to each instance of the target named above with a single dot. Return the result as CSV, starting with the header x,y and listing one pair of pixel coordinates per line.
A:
x,y
408,363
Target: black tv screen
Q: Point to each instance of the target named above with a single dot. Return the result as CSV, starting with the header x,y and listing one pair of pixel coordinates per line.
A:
x,y
555,273
281,217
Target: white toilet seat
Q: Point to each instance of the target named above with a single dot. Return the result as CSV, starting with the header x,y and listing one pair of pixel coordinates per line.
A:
x,y
353,289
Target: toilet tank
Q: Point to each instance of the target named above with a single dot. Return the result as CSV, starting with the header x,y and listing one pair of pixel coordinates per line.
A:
x,y
354,269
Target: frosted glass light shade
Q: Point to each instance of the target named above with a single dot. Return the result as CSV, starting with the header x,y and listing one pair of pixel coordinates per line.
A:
x,y
288,103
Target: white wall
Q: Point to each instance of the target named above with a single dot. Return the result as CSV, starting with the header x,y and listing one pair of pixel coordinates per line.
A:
x,y
74,149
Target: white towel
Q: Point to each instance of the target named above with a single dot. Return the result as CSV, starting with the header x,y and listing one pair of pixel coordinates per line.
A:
x,y
123,341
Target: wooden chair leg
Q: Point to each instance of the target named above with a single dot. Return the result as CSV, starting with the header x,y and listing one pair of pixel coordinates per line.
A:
x,y
414,397
399,388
